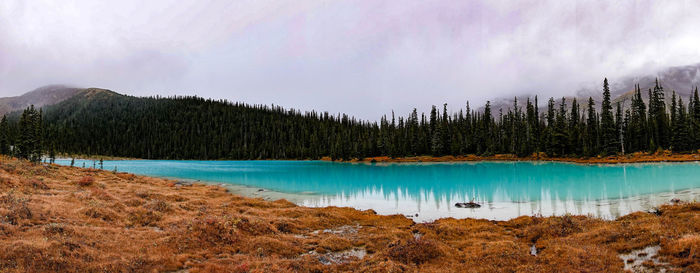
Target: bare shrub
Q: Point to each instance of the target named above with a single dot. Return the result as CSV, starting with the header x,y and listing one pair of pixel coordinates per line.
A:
x,y
16,209
414,251
143,217
86,181
214,230
159,206
36,184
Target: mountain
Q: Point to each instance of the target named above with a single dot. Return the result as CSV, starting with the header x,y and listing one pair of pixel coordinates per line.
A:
x,y
681,79
47,95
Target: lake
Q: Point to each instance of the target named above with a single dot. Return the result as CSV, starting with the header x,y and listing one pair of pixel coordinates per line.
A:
x,y
427,191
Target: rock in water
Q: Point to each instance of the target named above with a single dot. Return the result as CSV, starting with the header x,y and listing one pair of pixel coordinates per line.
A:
x,y
468,205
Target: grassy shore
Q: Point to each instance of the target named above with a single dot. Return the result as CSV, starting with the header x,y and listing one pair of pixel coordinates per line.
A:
x,y
64,219
661,156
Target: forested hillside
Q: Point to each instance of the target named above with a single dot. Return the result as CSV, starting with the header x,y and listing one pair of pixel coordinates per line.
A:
x,y
101,122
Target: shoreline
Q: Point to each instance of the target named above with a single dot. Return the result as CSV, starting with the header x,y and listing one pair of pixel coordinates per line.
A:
x,y
658,157
638,157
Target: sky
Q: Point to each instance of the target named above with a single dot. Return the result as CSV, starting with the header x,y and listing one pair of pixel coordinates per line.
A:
x,y
364,58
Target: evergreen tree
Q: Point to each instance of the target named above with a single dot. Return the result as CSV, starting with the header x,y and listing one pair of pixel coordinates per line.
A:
x,y
4,136
681,136
446,132
694,111
487,131
560,137
620,127
658,118
575,131
549,132
637,136
609,135
592,136
30,129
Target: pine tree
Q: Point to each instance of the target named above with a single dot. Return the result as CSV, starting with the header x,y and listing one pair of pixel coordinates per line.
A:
x,y
592,136
609,135
549,138
575,136
446,132
30,130
620,127
487,131
637,136
681,137
4,136
560,137
695,119
658,118
674,123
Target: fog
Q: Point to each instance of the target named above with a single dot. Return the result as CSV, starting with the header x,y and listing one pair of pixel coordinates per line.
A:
x,y
364,58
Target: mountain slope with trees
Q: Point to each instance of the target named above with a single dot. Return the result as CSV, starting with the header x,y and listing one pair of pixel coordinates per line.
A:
x,y
105,123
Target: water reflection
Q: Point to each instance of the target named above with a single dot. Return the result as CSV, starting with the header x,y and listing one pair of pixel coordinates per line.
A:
x,y
507,189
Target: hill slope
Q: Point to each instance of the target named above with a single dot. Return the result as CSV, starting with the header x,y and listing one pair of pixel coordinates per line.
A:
x,y
47,95
102,122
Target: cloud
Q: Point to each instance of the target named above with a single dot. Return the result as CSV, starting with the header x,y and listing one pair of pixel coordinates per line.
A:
x,y
360,57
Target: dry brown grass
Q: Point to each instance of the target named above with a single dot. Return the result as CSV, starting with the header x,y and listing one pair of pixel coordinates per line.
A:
x,y
86,181
123,223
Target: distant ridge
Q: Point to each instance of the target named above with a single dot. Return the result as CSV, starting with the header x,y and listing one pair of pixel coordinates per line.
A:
x,y
681,79
47,95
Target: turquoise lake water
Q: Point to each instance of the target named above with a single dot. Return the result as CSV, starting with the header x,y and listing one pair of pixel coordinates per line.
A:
x,y
505,189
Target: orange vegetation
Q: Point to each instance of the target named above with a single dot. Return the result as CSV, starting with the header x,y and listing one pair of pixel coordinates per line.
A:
x,y
53,221
639,157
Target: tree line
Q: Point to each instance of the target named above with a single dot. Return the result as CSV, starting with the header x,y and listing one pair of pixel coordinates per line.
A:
x,y
109,124
24,138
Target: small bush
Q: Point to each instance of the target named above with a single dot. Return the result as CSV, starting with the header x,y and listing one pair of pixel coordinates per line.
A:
x,y
126,176
414,251
255,226
17,209
214,230
57,229
159,206
100,213
86,181
333,244
143,217
100,194
36,184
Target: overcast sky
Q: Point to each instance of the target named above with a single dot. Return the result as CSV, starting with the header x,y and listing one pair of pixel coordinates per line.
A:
x,y
364,58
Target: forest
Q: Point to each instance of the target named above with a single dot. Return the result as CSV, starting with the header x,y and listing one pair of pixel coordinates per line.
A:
x,y
110,124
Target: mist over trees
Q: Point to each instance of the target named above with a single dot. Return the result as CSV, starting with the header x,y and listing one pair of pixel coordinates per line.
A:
x,y
196,128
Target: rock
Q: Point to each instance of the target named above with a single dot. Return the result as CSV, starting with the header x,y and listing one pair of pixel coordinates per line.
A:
x,y
468,205
675,200
261,190
181,183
